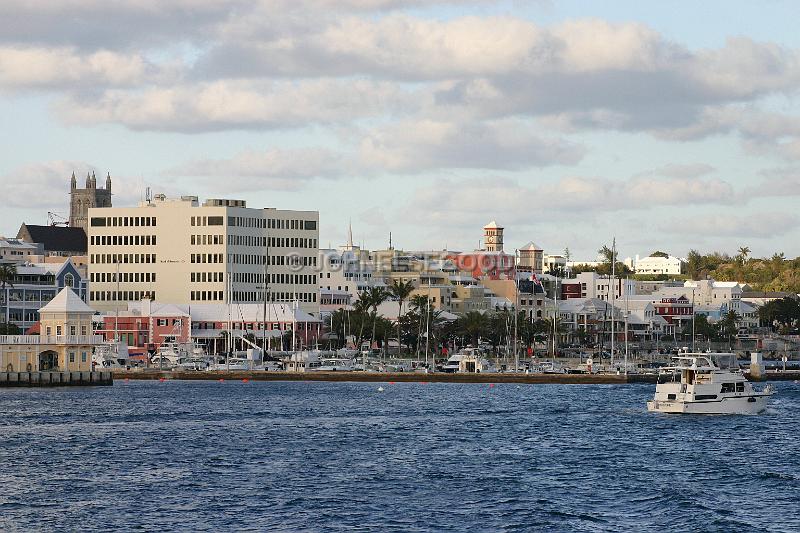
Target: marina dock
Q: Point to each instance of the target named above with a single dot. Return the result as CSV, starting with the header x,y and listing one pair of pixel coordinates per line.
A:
x,y
55,379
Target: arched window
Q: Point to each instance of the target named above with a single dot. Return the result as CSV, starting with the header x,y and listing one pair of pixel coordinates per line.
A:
x,y
69,280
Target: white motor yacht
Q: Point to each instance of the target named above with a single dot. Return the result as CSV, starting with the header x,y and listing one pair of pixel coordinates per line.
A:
x,y
234,363
333,364
468,360
706,383
111,355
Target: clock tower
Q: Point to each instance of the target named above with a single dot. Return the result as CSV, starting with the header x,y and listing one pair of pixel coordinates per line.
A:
x,y
493,237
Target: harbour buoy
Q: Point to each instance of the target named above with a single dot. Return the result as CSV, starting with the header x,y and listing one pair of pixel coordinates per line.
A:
x,y
221,380
245,380
126,380
491,385
380,389
391,383
161,379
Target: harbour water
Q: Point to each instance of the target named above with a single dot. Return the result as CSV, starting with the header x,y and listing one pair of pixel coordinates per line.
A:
x,y
302,456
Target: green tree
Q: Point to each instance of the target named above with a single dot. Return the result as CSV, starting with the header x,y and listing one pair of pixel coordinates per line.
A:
x,y
400,290
7,328
744,251
473,325
702,328
7,275
729,326
783,312
376,296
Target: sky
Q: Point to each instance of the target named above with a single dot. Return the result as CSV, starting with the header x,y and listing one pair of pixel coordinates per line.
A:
x,y
668,125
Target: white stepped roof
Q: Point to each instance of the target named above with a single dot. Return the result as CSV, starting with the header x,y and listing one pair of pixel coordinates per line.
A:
x,y
492,225
66,301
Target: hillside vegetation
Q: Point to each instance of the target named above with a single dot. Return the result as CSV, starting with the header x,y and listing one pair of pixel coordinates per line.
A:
x,y
775,273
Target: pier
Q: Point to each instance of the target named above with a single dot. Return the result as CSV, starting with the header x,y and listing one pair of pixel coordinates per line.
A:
x,y
56,379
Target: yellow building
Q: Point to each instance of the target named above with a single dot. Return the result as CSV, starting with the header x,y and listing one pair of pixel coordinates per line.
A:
x,y
65,342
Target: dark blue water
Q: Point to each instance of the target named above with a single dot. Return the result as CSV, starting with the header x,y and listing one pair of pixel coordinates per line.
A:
x,y
343,456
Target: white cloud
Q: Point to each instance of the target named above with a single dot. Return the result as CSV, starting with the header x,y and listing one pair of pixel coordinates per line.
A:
x,y
739,225
277,169
65,67
527,202
46,185
420,145
232,104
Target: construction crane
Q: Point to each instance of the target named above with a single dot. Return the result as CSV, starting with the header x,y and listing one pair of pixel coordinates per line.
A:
x,y
54,219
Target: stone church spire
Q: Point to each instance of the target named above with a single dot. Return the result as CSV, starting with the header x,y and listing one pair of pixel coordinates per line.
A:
x,y
108,182
73,183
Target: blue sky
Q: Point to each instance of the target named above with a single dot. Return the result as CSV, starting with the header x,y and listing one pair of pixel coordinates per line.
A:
x,y
672,125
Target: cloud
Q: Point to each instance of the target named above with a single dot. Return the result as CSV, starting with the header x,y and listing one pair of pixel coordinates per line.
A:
x,y
64,68
778,182
415,146
237,104
739,225
152,23
526,202
276,169
46,185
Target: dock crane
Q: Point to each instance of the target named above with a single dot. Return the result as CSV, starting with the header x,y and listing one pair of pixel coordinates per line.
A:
x,y
54,219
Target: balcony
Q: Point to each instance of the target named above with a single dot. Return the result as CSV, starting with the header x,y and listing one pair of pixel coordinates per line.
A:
x,y
52,339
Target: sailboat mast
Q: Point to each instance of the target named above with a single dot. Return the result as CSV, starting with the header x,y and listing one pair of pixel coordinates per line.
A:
x,y
516,313
627,312
116,310
428,327
265,343
612,297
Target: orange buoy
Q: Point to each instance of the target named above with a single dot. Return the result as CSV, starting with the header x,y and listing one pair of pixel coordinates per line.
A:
x,y
161,379
391,383
245,380
221,380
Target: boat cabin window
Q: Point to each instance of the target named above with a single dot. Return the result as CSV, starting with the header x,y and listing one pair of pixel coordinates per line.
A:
x,y
740,387
728,387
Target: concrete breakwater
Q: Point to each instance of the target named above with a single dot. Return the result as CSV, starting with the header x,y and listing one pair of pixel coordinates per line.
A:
x,y
383,377
55,379
412,377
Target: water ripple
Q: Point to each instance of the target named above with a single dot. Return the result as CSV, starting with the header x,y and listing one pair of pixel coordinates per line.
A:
x,y
340,456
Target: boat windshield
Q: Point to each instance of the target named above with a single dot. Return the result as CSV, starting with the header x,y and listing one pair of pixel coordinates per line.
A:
x,y
725,361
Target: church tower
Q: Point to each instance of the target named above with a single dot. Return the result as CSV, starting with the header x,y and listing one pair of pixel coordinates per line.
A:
x,y
83,199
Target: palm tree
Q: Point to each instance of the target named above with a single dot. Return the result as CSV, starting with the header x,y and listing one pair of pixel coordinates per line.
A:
x,y
401,290
360,308
473,324
376,296
7,273
744,251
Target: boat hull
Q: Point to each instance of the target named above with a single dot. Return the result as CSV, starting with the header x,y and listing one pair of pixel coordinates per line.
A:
x,y
741,405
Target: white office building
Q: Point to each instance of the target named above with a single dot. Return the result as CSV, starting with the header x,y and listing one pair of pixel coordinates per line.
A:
x,y
181,251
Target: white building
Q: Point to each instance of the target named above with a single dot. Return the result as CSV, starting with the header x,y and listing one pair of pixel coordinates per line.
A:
x,y
594,285
657,265
17,250
179,251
